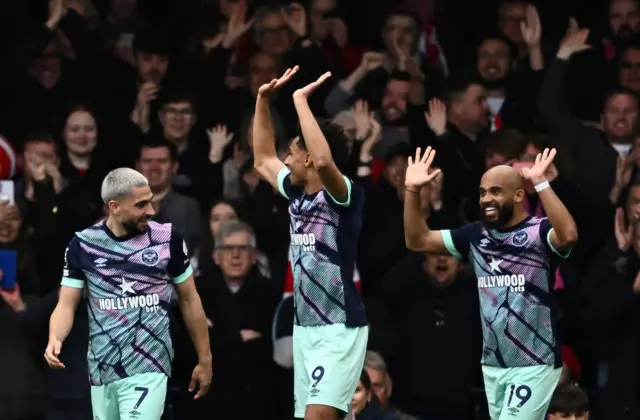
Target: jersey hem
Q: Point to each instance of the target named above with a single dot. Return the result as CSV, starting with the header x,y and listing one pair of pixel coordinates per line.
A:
x,y
73,283
348,201
184,276
448,243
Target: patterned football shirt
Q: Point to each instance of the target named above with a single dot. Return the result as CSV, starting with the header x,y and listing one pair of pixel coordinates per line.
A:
x,y
515,272
323,253
129,282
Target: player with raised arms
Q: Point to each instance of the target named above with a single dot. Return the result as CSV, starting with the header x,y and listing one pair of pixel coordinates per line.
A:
x,y
514,257
128,267
330,326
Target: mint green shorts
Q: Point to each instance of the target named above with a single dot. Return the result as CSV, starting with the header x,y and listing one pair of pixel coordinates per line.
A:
x,y
139,397
520,393
327,363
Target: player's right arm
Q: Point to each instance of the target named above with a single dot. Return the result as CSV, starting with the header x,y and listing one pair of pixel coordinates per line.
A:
x,y
265,159
417,234
61,322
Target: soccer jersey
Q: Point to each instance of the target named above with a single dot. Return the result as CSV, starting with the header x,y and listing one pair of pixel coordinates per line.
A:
x,y
323,251
129,282
515,272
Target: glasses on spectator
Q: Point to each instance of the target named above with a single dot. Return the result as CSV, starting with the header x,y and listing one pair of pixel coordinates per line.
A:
x,y
185,112
234,248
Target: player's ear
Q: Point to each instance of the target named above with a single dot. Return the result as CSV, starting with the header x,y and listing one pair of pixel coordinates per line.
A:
x,y
307,161
519,196
113,207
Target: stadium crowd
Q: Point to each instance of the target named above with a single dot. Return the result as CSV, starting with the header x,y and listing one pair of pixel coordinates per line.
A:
x,y
168,87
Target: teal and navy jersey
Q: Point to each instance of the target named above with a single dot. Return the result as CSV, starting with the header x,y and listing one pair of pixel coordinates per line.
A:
x,y
129,282
323,253
515,270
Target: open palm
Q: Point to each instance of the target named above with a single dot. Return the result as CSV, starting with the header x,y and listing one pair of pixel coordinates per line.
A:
x,y
418,171
276,84
537,173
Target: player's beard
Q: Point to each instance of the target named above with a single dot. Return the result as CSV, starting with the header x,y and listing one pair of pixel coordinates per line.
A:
x,y
505,214
132,226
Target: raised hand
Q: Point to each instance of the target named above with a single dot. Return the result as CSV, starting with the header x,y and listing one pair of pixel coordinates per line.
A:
x,y
437,116
237,25
624,170
623,232
537,173
361,119
311,87
371,60
531,28
147,93
419,171
57,10
296,18
338,31
219,138
276,84
574,41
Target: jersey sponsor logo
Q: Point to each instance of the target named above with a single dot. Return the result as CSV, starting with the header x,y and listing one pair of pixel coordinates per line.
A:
x,y
150,257
130,299
520,238
305,240
515,282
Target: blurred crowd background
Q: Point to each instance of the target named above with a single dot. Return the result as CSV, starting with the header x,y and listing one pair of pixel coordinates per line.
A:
x,y
168,87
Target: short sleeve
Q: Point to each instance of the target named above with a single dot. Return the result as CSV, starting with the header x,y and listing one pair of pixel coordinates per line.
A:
x,y
179,267
72,275
545,234
355,197
284,183
458,241
347,202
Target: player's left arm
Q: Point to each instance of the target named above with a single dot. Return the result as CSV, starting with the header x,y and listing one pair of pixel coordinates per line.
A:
x,y
564,232
336,184
179,268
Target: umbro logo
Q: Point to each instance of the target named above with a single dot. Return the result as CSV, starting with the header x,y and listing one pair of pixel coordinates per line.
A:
x,y
100,262
484,242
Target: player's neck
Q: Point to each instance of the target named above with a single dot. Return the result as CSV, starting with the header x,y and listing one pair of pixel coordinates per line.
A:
x,y
116,228
313,184
517,218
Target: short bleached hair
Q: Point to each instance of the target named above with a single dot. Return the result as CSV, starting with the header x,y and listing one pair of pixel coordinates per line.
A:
x,y
121,182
